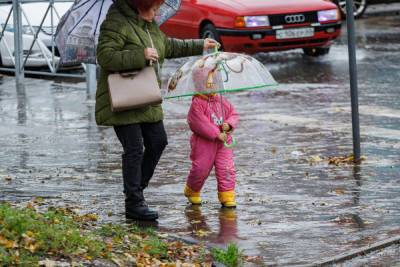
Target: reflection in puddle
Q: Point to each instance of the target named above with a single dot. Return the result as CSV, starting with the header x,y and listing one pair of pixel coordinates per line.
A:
x,y
227,227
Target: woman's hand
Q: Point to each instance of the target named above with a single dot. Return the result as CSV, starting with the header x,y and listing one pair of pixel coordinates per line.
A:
x,y
151,54
210,43
222,137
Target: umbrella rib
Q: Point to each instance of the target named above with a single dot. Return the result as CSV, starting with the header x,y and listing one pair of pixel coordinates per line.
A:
x,y
98,19
81,5
176,8
79,21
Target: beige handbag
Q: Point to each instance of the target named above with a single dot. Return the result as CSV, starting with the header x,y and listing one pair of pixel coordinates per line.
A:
x,y
132,90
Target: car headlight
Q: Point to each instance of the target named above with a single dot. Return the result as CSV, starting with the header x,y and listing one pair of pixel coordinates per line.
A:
x,y
328,15
252,21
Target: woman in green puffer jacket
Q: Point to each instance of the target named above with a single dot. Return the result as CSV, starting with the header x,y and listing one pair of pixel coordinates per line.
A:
x,y
124,45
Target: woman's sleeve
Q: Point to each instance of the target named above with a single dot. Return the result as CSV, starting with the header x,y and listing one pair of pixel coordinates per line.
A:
x,y
183,48
200,124
110,50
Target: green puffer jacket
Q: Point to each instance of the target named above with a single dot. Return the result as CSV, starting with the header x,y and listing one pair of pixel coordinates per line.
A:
x,y
121,48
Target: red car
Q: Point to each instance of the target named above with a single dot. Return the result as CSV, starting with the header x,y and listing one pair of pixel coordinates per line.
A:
x,y
252,26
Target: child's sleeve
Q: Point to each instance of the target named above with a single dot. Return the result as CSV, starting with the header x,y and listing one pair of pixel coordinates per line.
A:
x,y
232,117
200,124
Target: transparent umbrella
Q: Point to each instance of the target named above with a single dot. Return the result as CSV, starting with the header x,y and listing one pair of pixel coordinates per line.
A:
x,y
78,31
219,72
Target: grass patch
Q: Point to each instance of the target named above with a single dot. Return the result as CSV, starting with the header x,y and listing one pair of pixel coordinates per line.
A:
x,y
230,257
156,248
28,236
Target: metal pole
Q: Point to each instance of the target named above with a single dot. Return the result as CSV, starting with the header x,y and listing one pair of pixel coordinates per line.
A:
x,y
52,36
18,45
353,80
91,81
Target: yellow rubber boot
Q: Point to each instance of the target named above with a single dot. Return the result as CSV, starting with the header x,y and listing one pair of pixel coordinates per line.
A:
x,y
227,199
193,197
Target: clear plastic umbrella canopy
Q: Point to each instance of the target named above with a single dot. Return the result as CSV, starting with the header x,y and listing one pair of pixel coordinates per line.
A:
x,y
220,72
78,31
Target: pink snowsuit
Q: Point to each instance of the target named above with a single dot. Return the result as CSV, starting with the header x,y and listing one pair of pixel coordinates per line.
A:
x,y
205,119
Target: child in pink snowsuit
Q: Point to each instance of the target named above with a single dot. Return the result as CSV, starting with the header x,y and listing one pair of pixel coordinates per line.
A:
x,y
211,123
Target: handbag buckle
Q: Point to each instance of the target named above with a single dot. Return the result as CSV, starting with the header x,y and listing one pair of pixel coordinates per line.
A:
x,y
128,74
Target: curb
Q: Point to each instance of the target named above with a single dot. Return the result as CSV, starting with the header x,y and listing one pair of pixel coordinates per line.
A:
x,y
359,252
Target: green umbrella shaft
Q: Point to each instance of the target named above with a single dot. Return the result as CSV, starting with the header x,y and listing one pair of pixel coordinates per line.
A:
x,y
223,91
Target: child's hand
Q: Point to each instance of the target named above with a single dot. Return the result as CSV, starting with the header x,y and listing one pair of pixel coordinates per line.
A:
x,y
226,127
222,137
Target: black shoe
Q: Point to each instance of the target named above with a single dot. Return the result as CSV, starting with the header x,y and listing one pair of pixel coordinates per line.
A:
x,y
141,213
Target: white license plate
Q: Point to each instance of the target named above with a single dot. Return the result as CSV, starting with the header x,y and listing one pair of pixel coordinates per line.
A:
x,y
294,33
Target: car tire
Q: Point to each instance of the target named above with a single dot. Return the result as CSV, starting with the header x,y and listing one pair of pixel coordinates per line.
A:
x,y
209,31
359,7
316,51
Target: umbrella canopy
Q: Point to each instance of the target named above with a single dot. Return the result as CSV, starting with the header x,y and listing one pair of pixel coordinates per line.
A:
x,y
219,72
78,31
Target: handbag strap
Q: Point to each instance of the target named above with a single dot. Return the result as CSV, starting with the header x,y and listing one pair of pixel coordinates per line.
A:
x,y
152,46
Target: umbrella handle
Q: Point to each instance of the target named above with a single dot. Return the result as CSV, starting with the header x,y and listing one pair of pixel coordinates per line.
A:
x,y
232,144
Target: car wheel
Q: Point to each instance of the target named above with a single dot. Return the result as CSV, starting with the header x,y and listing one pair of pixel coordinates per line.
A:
x,y
359,7
316,51
209,31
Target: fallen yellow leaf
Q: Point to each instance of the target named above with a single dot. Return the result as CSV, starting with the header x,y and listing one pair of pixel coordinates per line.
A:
x,y
88,257
32,247
343,160
146,247
316,159
339,191
6,243
91,217
202,233
30,233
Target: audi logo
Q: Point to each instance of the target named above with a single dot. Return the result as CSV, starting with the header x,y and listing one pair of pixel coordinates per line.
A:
x,y
295,18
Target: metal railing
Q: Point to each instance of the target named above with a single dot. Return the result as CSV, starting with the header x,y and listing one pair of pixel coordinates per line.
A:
x,y
20,58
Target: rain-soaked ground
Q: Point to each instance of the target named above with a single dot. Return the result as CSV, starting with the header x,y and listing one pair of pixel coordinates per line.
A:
x,y
293,208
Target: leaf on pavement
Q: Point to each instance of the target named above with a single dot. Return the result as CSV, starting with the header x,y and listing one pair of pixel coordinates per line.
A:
x,y
202,233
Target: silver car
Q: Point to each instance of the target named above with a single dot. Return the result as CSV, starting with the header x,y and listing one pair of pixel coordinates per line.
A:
x,y
361,5
41,54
